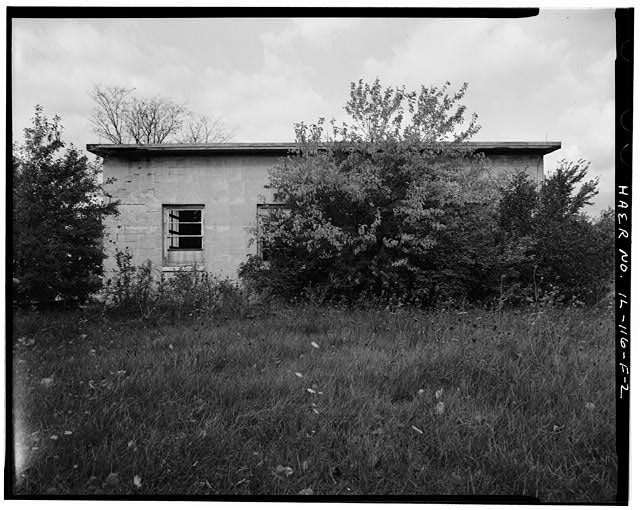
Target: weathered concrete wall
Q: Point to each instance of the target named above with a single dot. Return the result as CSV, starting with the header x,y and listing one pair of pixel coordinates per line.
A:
x,y
504,164
228,186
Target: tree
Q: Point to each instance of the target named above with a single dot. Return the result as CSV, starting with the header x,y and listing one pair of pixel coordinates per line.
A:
x,y
109,115
566,254
393,204
519,197
379,114
368,207
58,208
122,117
558,197
154,120
204,129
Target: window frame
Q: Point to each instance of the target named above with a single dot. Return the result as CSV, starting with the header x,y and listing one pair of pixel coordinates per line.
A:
x,y
167,236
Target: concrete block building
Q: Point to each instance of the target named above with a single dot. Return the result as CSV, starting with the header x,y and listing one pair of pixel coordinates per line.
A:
x,y
185,205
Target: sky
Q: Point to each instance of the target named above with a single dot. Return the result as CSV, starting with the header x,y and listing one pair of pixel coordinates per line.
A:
x,y
546,78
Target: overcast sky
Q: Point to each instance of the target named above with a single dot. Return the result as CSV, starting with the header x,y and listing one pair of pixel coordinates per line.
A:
x,y
545,78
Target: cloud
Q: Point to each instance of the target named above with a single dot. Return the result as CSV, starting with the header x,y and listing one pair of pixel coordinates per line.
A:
x,y
52,69
262,106
57,64
549,77
314,32
528,79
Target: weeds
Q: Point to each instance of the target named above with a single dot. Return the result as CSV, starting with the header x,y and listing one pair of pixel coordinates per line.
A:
x,y
147,293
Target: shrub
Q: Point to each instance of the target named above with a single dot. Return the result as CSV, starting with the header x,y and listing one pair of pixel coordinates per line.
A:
x,y
57,211
372,208
260,278
394,208
138,290
566,256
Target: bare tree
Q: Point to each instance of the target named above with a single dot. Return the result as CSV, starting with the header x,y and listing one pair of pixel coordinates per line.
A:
x,y
204,129
154,120
121,117
109,114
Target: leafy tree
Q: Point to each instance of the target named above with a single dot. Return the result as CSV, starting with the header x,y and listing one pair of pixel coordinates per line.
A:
x,y
380,114
58,210
558,197
370,207
392,204
566,254
516,209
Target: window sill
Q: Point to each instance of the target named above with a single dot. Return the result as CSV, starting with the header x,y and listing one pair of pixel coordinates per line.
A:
x,y
177,269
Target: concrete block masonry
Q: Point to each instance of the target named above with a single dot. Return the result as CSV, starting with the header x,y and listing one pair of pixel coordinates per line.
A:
x,y
229,188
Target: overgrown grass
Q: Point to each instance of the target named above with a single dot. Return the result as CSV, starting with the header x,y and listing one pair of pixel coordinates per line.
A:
x,y
214,407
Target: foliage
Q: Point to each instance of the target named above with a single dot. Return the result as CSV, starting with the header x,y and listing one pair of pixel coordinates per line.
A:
x,y
122,117
380,114
58,208
568,257
260,278
395,206
373,207
140,291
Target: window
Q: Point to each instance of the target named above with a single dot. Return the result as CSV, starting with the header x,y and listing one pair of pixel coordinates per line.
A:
x,y
185,229
183,234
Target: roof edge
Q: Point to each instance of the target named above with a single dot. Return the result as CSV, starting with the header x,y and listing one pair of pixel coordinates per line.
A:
x,y
286,148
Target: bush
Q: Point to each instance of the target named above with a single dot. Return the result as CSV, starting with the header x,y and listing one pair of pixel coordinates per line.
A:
x,y
374,208
565,256
260,278
393,208
139,291
58,210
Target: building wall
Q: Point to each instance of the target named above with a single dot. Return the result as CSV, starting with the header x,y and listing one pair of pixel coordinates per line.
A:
x,y
229,187
505,164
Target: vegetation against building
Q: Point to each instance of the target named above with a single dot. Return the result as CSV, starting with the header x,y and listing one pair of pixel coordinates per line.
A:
x,y
392,205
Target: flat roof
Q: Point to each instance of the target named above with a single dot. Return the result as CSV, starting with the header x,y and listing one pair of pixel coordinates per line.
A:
x,y
286,148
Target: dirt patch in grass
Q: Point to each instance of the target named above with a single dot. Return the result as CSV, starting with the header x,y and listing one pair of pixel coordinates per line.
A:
x,y
354,402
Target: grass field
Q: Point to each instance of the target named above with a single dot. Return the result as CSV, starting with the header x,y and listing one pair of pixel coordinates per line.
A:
x,y
315,399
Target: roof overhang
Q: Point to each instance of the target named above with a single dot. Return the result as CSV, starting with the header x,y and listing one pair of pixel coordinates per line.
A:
x,y
282,149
